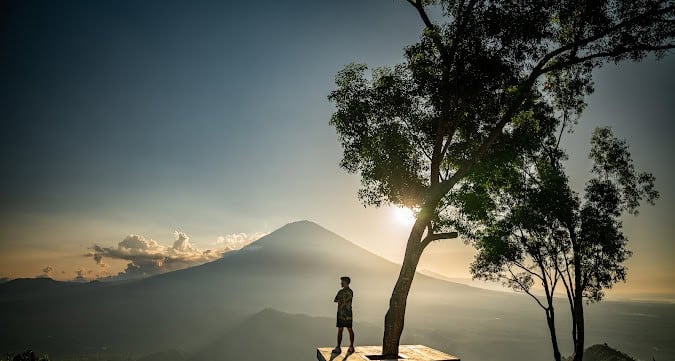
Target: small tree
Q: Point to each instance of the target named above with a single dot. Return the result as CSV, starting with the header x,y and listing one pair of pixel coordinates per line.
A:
x,y
532,228
514,222
466,97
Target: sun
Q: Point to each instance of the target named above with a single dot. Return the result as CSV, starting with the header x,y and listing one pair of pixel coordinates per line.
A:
x,y
403,215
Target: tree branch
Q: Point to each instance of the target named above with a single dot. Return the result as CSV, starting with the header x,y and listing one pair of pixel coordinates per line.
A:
x,y
522,266
576,44
435,37
417,139
436,236
526,290
547,290
606,54
557,278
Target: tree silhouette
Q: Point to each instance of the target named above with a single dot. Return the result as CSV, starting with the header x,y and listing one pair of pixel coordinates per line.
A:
x,y
474,92
533,229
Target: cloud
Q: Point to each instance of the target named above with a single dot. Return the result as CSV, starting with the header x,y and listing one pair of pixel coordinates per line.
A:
x,y
98,257
147,257
239,240
182,243
47,272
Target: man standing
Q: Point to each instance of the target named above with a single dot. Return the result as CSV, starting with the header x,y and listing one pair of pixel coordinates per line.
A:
x,y
344,314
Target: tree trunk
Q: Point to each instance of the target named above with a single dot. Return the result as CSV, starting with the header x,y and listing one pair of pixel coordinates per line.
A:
x,y
550,319
550,310
579,318
394,319
578,311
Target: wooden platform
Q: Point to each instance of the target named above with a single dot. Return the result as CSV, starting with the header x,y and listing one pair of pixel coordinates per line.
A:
x,y
406,352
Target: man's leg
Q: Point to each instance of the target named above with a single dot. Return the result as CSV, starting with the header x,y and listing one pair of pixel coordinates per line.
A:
x,y
339,336
351,339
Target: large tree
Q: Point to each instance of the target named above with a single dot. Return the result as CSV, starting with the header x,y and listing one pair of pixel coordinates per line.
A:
x,y
532,227
472,93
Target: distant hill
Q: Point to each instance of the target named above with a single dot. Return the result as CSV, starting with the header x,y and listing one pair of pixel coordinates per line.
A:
x,y
274,335
29,287
602,352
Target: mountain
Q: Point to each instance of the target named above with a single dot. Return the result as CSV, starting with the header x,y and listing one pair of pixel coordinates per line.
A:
x,y
297,269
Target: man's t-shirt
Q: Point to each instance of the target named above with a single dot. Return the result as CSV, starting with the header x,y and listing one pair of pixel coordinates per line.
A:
x,y
344,309
344,299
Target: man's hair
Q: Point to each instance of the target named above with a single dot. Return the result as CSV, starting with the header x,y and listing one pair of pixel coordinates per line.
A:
x,y
346,279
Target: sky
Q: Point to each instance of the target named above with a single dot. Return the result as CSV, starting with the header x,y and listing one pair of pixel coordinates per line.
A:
x,y
185,126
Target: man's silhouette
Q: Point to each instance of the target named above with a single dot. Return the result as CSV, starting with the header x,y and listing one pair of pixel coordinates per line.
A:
x,y
344,313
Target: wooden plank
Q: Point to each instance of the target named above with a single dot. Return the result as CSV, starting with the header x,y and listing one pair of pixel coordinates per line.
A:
x,y
406,353
426,353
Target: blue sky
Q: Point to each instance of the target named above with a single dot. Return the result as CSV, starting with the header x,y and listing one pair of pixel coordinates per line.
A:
x,y
211,118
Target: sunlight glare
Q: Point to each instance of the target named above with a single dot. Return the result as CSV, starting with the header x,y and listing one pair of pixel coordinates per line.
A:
x,y
403,215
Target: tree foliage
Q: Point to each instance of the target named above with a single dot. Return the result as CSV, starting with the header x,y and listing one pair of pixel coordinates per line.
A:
x,y
533,216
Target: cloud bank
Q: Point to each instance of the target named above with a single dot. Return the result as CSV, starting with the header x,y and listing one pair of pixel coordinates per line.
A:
x,y
147,257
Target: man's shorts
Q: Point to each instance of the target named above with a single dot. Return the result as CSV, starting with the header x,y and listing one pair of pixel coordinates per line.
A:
x,y
344,318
